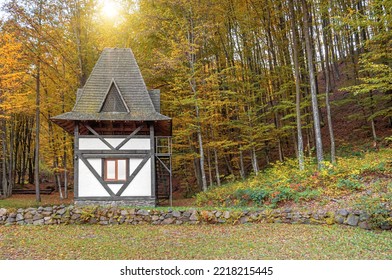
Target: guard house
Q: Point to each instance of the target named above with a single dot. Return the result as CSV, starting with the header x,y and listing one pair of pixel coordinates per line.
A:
x,y
122,143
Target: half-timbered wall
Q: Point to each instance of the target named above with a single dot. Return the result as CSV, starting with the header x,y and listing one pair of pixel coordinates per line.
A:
x,y
94,143
90,186
93,153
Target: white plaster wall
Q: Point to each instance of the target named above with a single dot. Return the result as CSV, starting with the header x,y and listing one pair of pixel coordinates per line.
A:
x,y
141,184
88,184
97,144
92,144
115,187
137,144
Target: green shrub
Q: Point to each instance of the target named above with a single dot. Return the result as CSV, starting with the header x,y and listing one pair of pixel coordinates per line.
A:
x,y
283,181
349,183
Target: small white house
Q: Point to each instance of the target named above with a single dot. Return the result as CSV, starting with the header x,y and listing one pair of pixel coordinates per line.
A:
x,y
121,141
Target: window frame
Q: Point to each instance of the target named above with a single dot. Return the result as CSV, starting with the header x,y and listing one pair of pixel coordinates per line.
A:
x,y
116,179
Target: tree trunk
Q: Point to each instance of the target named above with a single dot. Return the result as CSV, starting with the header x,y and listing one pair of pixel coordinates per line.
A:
x,y
209,167
192,58
300,145
37,111
328,90
218,181
4,182
313,89
242,168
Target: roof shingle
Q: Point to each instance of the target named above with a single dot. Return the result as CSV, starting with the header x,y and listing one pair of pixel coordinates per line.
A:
x,y
118,65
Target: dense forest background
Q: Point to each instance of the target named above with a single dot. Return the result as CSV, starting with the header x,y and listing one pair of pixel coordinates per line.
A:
x,y
247,82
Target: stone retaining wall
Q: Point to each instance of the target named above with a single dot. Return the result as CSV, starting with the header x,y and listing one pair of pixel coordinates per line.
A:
x,y
114,215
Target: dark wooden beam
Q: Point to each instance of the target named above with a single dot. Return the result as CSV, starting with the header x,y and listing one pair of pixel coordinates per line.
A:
x,y
114,152
133,175
152,150
99,136
96,175
76,160
129,137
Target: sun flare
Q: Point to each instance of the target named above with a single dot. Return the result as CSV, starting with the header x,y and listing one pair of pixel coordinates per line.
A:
x,y
110,9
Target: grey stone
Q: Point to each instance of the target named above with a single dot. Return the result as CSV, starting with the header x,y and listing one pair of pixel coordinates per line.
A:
x,y
37,217
322,213
364,216
10,220
339,219
218,214
92,221
343,212
364,225
47,213
12,215
386,226
315,216
226,214
48,209
143,212
155,218
176,214
3,211
244,220
75,216
19,217
113,221
194,216
352,220
123,212
187,214
168,215
28,215
167,221
38,222
61,211
77,211
254,216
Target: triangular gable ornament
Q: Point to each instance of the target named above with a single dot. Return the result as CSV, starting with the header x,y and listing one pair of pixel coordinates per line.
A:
x,y
113,100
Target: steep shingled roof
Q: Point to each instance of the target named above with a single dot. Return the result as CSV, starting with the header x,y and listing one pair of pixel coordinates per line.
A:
x,y
118,65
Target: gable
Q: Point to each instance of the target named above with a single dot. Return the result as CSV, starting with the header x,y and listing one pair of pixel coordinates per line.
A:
x,y
114,102
119,65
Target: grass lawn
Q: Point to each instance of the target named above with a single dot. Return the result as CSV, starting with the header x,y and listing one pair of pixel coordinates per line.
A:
x,y
253,241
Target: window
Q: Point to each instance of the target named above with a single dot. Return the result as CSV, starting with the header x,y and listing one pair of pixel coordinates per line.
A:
x,y
115,169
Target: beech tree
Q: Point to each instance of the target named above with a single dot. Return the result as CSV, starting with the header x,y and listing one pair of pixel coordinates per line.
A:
x,y
244,81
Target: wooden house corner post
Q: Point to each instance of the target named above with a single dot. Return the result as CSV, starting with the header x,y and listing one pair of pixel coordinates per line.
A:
x,y
76,159
152,151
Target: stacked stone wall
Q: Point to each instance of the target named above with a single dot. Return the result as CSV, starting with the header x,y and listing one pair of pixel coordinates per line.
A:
x,y
55,215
